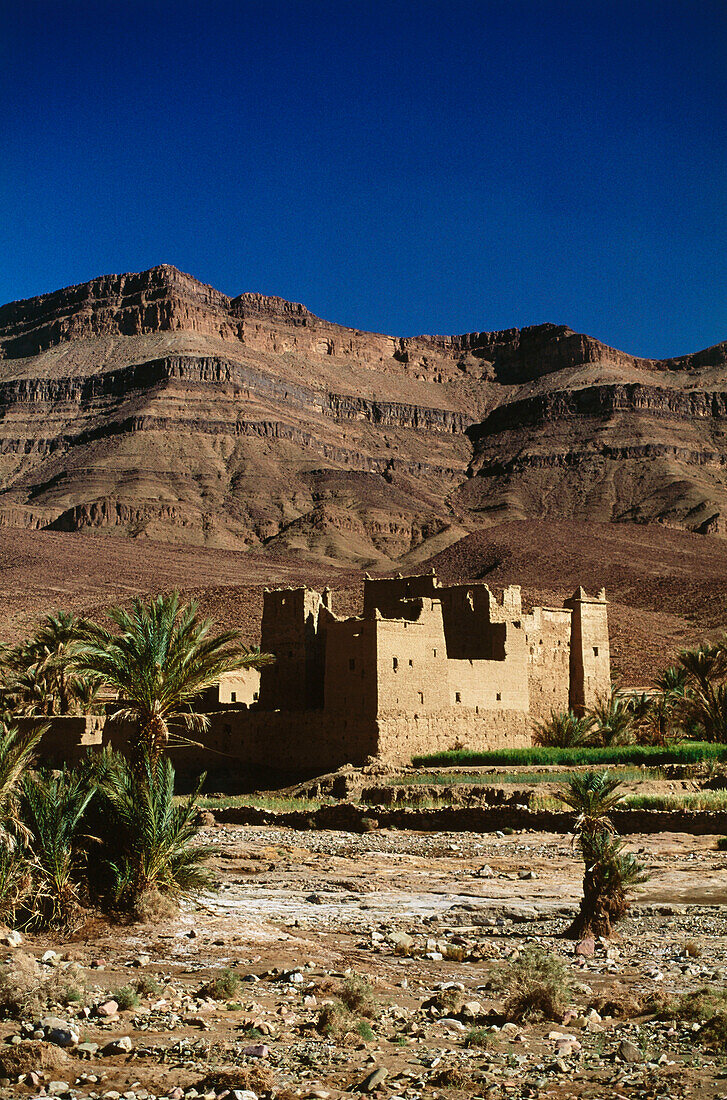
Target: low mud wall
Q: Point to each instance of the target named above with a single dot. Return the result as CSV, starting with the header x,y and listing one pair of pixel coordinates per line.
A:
x,y
352,817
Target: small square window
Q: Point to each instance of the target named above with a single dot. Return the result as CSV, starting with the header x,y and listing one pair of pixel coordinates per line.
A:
x,y
233,696
499,696
435,652
411,663
458,696
595,651
394,663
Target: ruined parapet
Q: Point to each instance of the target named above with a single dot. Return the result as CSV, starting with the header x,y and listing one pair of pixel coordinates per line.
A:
x,y
411,659
290,631
590,654
387,594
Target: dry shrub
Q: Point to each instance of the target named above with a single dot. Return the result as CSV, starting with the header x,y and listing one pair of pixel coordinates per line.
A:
x,y
536,986
354,1003
692,949
618,1002
714,1031
26,988
453,1076
29,1057
446,1001
699,1006
153,906
222,986
257,1078
334,1020
357,994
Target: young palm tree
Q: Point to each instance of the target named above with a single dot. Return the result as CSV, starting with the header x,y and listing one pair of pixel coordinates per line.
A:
x,y
159,659
17,756
613,720
592,795
609,871
54,805
562,730
148,838
705,701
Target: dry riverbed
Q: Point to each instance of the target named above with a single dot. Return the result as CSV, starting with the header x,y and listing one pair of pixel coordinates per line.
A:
x,y
428,919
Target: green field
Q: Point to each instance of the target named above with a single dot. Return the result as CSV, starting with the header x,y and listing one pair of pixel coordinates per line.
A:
x,y
687,752
627,774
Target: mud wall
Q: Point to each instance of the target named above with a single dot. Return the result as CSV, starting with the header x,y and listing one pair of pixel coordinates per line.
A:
x,y
66,739
403,736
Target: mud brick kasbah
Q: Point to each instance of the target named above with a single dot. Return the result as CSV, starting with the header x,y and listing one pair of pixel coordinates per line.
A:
x,y
425,667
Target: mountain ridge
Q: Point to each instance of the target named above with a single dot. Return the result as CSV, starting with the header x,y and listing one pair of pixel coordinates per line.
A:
x,y
152,405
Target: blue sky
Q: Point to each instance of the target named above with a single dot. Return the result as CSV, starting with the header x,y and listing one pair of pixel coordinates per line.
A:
x,y
403,167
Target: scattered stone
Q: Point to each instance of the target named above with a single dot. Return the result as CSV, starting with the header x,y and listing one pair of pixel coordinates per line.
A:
x,y
257,1050
629,1052
107,1009
586,948
374,1079
57,1088
122,1045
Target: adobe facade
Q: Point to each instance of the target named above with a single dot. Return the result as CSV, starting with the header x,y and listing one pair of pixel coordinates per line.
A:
x,y
424,667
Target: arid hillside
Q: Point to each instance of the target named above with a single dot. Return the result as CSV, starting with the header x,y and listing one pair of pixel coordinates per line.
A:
x,y
666,589
152,407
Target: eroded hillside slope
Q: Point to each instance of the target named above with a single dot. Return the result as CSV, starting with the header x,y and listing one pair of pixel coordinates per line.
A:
x,y
152,406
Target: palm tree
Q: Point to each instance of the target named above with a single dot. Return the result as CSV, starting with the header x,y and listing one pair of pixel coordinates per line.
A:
x,y
562,730
148,837
54,806
705,665
38,676
612,719
592,795
705,699
17,756
159,659
609,871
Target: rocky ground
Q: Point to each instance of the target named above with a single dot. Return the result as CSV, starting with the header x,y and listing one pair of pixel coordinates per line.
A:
x,y
225,998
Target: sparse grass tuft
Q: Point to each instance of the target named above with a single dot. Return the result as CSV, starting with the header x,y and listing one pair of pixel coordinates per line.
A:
x,y
223,986
364,1029
536,986
126,997
477,1037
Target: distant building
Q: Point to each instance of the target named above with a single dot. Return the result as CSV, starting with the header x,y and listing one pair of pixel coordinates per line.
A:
x,y
425,667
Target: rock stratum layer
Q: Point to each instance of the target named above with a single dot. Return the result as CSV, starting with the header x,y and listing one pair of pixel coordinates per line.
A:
x,y
150,405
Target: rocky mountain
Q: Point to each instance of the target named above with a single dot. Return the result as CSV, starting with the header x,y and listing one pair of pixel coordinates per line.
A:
x,y
151,406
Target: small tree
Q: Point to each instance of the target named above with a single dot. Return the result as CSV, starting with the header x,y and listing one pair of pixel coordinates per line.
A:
x,y
161,656
705,700
562,730
612,720
610,872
